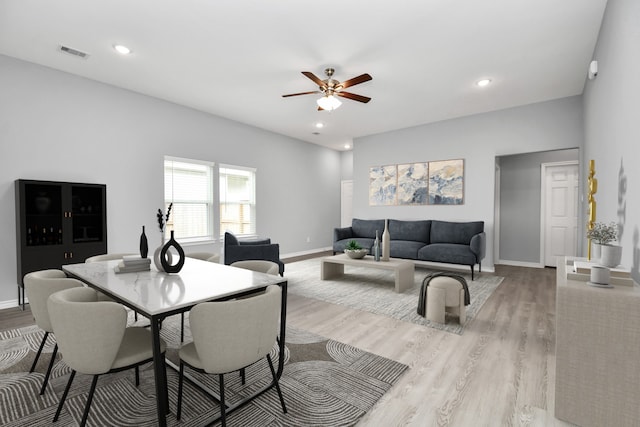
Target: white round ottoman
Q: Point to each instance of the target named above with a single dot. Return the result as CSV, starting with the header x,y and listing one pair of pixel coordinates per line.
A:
x,y
445,295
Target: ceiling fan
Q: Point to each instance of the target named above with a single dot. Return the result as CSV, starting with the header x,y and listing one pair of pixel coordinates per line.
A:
x,y
331,89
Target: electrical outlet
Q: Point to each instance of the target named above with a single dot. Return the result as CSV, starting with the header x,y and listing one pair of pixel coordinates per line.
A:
x,y
308,239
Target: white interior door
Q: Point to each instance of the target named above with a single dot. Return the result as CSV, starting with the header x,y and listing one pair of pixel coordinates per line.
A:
x,y
346,203
560,211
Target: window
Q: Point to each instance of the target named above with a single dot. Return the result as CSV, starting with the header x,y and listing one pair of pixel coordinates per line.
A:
x,y
237,200
189,186
197,198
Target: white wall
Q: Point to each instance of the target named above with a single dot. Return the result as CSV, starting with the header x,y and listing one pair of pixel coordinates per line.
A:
x,y
477,139
612,127
56,126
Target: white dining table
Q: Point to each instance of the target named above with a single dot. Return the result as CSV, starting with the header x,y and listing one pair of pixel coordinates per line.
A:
x,y
157,295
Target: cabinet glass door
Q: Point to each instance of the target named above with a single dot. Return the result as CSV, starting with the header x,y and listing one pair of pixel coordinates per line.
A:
x,y
86,209
43,208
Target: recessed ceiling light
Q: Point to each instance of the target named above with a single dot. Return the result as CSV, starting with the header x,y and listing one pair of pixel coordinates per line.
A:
x,y
122,49
319,125
483,82
347,146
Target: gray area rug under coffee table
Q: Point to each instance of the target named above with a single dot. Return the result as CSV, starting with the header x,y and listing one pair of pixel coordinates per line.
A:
x,y
372,290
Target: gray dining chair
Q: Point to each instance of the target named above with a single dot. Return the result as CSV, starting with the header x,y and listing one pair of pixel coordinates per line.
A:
x,y
94,339
109,257
258,265
261,266
39,285
229,336
204,256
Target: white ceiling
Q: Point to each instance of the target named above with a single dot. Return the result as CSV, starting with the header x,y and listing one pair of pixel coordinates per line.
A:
x,y
235,58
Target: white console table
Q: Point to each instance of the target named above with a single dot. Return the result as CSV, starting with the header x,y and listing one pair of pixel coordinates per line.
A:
x,y
597,353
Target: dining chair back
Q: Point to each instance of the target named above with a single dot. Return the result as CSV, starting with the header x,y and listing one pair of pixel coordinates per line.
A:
x,y
39,285
107,257
258,265
94,339
231,335
204,256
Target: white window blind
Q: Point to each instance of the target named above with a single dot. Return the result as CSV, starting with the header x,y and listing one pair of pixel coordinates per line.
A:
x,y
237,200
189,186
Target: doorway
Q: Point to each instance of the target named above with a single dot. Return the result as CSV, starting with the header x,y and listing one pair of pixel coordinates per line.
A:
x,y
558,211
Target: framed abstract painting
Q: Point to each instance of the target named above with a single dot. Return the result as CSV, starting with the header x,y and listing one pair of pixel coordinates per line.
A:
x,y
446,182
382,185
413,181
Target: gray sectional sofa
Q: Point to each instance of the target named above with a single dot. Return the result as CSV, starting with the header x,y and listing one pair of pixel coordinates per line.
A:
x,y
423,240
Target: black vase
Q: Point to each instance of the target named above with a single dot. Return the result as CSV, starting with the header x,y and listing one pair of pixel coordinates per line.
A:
x,y
144,245
168,268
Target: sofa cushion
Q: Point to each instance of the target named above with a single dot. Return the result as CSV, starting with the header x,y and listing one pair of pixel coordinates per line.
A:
x,y
404,249
455,232
367,227
447,253
416,231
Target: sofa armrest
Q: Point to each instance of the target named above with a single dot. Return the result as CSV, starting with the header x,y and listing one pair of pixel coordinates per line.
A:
x,y
478,245
254,242
342,233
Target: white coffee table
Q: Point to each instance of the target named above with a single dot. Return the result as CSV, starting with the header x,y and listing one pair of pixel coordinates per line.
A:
x,y
332,267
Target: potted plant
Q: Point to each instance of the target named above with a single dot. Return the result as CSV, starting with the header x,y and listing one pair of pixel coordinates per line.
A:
x,y
601,236
355,250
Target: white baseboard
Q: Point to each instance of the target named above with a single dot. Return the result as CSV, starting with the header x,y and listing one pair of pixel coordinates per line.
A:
x,y
520,263
10,303
303,253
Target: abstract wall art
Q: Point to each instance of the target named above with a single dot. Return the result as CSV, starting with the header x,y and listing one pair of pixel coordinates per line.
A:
x,y
382,185
446,182
413,179
416,184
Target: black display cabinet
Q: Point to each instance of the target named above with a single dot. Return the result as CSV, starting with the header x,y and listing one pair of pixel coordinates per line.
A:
x,y
58,223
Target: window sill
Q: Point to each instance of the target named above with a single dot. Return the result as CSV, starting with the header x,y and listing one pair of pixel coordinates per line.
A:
x,y
195,241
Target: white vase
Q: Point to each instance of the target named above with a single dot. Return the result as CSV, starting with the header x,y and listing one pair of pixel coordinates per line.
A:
x,y
596,252
156,255
600,275
386,241
611,255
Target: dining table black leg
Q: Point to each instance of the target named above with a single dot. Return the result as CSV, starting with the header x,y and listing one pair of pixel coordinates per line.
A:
x,y
283,329
159,371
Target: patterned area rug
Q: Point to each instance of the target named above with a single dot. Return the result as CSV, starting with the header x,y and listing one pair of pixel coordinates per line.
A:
x,y
372,290
325,383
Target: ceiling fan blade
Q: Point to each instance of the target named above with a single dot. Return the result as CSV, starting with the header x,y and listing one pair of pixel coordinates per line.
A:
x,y
320,108
356,80
301,93
315,79
353,96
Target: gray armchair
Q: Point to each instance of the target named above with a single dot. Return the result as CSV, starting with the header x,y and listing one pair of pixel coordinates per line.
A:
x,y
236,250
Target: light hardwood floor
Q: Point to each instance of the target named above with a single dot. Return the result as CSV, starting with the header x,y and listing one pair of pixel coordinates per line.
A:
x,y
499,372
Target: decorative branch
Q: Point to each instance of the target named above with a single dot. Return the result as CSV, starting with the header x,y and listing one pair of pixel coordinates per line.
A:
x,y
162,218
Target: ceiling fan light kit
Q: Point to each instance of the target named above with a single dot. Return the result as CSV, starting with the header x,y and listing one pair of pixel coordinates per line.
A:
x,y
329,102
331,89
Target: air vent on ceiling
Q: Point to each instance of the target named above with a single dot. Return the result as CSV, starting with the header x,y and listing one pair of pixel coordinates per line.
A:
x,y
74,52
